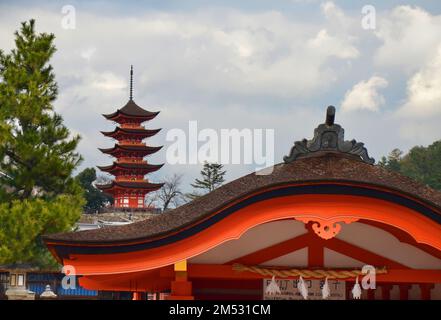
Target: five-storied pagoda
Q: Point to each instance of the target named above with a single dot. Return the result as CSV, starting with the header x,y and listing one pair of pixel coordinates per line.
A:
x,y
129,186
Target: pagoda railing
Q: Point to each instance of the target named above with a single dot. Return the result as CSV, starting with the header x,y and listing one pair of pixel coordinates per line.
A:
x,y
131,126
130,179
146,209
130,160
131,142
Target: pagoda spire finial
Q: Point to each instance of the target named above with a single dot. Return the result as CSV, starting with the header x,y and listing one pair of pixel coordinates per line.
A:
x,y
131,82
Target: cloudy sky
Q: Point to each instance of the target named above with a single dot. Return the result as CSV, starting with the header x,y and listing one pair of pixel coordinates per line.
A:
x,y
245,64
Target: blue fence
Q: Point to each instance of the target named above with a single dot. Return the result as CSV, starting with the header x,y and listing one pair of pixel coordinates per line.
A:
x,y
78,291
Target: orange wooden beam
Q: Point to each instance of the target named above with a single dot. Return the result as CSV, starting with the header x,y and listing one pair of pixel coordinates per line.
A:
x,y
136,281
425,290
316,248
161,279
410,276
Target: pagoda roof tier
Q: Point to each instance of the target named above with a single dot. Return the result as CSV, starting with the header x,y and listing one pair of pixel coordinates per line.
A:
x,y
144,133
140,150
146,186
131,110
144,167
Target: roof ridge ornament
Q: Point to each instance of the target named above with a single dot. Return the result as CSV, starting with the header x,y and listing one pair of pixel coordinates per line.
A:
x,y
328,138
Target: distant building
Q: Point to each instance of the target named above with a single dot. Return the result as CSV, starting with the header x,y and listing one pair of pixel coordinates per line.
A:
x,y
130,187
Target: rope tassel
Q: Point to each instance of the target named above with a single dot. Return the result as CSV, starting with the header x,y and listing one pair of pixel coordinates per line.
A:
x,y
356,290
302,288
326,292
273,287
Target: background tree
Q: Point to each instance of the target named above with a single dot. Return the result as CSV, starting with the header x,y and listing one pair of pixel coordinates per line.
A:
x,y
420,163
212,178
37,154
95,199
170,195
393,160
103,179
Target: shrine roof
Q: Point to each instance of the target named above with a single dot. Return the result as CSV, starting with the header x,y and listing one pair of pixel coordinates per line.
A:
x,y
325,169
326,164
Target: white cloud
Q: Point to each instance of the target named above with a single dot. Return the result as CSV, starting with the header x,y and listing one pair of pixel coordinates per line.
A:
x,y
180,59
333,46
364,95
332,11
231,52
109,81
424,91
88,53
408,35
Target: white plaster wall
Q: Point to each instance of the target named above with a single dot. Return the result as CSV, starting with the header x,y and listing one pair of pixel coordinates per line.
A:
x,y
297,258
333,259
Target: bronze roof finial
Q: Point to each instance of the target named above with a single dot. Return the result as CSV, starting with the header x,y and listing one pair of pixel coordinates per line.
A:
x,y
328,138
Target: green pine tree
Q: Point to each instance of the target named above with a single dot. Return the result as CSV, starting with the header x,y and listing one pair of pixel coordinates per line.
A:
x,y
37,154
393,160
212,178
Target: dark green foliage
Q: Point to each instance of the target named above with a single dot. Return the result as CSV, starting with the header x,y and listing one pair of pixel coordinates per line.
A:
x,y
95,199
420,163
392,162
